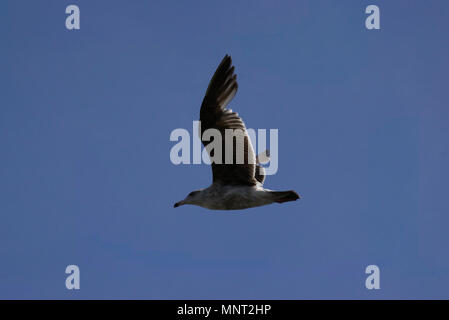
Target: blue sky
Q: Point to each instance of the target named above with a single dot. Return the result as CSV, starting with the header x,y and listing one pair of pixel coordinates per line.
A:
x,y
86,177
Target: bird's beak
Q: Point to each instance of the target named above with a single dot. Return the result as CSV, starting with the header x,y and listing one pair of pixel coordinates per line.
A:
x,y
177,204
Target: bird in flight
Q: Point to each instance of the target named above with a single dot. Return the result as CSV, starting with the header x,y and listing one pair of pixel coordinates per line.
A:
x,y
234,185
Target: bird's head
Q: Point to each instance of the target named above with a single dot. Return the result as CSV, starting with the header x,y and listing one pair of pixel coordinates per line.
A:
x,y
192,198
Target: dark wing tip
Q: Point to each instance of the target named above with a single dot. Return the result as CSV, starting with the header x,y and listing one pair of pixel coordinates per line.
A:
x,y
222,87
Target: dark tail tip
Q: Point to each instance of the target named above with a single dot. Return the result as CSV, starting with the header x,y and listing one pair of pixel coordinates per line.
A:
x,y
285,196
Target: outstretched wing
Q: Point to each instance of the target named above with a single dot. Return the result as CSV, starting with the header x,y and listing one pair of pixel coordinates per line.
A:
x,y
214,114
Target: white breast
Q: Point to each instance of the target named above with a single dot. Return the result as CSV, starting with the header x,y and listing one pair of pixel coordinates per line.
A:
x,y
224,197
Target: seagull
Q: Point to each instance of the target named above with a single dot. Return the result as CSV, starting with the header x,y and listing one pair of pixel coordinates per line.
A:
x,y
234,186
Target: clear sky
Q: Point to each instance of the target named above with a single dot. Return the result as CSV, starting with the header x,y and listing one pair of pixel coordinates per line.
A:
x,y
86,177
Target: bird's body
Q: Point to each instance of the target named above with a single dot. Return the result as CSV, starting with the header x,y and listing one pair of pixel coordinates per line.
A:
x,y
225,197
235,185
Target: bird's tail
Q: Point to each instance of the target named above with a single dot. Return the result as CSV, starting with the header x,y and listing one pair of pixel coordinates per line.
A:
x,y
284,196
